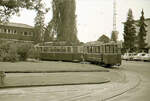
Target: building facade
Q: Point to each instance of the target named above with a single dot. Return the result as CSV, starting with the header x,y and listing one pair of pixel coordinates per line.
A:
x,y
17,31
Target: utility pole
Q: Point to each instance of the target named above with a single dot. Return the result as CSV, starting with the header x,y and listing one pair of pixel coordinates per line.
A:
x,y
115,33
114,15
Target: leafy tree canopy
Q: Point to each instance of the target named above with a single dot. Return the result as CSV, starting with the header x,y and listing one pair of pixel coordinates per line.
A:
x,y
129,32
64,20
142,32
12,7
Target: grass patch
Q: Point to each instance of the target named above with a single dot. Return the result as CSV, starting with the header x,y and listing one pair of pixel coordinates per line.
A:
x,y
48,66
42,79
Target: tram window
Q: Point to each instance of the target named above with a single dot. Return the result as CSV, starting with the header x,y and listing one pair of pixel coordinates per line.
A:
x,y
87,49
111,49
8,30
55,49
104,48
5,30
115,49
101,49
94,49
107,49
64,49
97,49
91,49
75,49
49,49
41,49
61,49
119,50
45,49
15,31
68,49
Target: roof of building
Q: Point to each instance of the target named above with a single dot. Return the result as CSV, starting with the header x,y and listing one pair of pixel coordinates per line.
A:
x,y
17,25
101,38
93,43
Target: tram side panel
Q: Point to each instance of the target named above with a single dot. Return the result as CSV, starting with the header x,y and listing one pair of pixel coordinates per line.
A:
x,y
112,55
112,59
92,54
68,53
95,58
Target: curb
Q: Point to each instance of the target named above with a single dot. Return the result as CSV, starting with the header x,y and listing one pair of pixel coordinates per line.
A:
x,y
3,87
62,71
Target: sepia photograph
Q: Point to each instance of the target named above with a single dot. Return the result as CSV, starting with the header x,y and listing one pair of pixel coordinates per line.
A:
x,y
74,50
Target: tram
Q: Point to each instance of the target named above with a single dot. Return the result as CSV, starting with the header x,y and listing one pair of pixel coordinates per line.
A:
x,y
107,54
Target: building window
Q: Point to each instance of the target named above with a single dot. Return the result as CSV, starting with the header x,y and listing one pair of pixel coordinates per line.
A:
x,y
25,33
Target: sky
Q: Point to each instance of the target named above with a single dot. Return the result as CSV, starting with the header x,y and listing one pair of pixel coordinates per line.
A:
x,y
94,17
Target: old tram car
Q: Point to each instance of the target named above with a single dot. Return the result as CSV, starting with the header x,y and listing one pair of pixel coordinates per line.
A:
x,y
107,54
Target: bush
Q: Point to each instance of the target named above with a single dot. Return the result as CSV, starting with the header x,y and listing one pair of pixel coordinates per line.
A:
x,y
23,50
12,53
33,53
8,52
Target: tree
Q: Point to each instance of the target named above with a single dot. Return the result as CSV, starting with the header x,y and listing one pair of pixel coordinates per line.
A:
x,y
64,20
142,33
49,34
12,7
39,21
129,33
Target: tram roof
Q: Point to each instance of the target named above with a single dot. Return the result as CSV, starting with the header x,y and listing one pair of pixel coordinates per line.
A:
x,y
97,43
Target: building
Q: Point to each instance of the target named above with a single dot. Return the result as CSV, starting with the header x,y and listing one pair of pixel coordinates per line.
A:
x,y
17,32
147,21
104,39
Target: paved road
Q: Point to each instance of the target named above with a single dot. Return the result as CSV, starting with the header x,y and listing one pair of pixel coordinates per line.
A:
x,y
142,92
64,93
97,92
